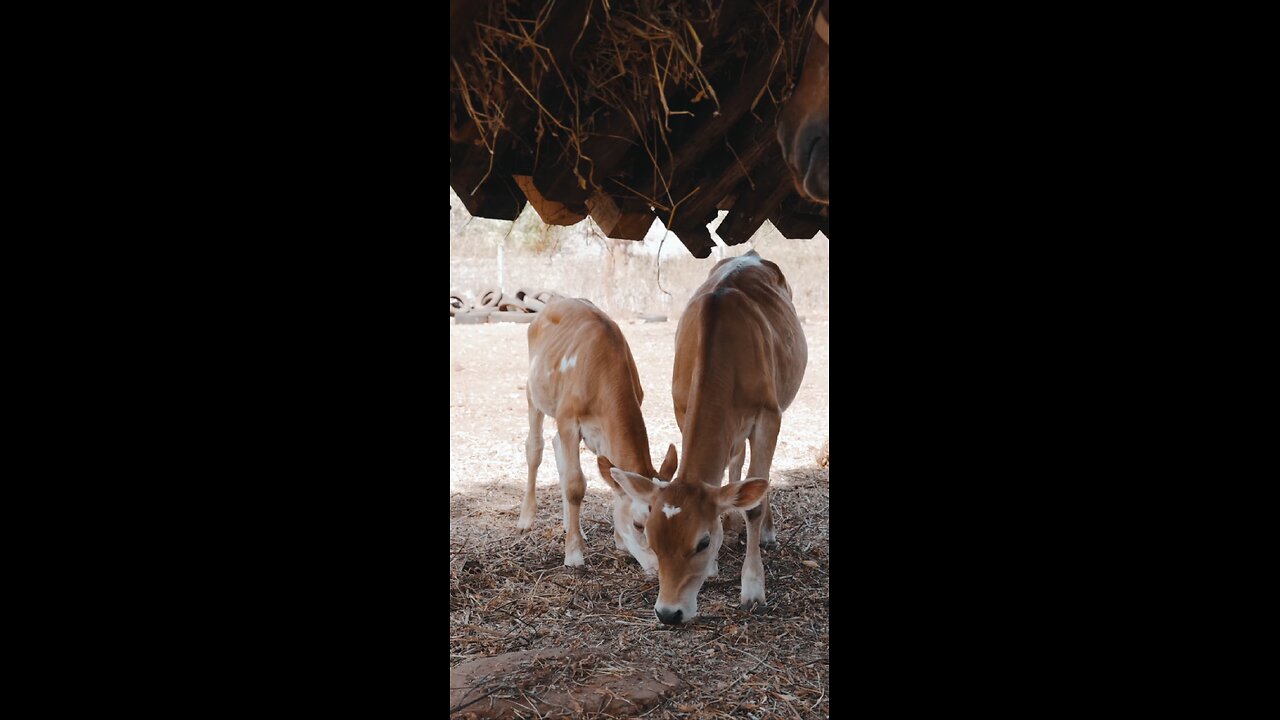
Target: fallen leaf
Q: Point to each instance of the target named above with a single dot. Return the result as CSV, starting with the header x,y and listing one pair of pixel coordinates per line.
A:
x,y
809,563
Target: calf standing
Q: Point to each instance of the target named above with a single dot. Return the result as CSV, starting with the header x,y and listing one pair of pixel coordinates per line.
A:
x,y
740,357
582,374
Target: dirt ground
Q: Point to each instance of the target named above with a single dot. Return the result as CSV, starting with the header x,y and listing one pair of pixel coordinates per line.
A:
x,y
511,592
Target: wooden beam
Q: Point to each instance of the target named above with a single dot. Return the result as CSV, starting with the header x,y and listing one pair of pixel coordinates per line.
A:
x,y
698,240
602,149
737,166
688,220
754,206
468,166
711,128
497,199
551,212
713,157
797,219
795,226
621,218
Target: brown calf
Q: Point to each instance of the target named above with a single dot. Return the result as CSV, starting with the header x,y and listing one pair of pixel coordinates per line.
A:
x,y
582,374
740,357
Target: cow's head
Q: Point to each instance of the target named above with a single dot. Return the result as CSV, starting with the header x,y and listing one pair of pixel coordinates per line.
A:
x,y
804,127
630,515
684,532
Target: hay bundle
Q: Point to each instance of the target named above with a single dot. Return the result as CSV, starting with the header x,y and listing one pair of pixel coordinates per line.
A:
x,y
645,59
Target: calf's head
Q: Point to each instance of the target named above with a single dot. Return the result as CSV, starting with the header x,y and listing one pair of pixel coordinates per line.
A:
x,y
630,514
683,531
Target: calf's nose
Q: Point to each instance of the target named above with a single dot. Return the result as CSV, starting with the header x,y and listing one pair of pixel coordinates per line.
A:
x,y
670,617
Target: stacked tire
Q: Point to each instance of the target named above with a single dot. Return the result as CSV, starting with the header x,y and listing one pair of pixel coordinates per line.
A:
x,y
493,305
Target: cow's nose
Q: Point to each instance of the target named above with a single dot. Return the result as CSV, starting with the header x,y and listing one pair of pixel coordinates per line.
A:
x,y
670,617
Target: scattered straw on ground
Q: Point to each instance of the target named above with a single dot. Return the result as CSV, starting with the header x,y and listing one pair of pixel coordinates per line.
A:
x,y
511,592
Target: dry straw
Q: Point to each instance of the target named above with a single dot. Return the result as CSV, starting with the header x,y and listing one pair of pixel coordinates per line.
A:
x,y
511,592
644,58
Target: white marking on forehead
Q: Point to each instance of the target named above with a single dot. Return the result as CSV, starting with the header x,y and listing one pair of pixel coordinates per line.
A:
x,y
660,483
566,363
669,511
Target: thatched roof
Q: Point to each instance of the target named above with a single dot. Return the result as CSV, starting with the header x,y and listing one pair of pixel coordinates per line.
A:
x,y
626,110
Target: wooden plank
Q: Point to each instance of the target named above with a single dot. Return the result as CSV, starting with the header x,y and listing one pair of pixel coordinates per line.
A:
x,y
754,206
624,218
686,220
797,219
758,141
468,165
497,199
551,212
698,240
471,162
711,128
606,147
706,172
796,226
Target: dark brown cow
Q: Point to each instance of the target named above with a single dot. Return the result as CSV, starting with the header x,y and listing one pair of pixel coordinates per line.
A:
x,y
804,127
